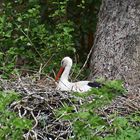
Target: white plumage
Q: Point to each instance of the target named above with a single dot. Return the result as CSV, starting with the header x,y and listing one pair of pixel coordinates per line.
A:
x,y
65,85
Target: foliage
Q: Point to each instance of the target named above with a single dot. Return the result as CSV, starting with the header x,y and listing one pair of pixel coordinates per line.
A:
x,y
11,126
26,41
123,129
34,33
88,125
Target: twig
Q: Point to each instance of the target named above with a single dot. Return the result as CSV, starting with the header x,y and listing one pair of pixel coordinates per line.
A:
x,y
88,56
39,72
48,61
36,121
26,35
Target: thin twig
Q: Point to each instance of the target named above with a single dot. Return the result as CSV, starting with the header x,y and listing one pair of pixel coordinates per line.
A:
x,y
36,121
88,56
32,44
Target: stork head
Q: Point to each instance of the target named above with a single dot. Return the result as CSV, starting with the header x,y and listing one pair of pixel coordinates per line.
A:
x,y
66,62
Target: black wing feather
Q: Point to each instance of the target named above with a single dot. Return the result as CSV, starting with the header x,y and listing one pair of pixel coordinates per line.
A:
x,y
95,84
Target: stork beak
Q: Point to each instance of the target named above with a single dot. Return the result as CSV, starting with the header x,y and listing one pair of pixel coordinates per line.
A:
x,y
59,73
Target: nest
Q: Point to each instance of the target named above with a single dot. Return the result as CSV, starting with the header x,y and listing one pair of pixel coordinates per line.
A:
x,y
40,100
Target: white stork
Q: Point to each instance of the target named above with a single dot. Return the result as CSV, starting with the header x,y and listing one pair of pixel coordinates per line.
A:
x,y
65,85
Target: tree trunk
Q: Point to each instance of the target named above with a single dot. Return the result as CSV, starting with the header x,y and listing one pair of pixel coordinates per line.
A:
x,y
116,53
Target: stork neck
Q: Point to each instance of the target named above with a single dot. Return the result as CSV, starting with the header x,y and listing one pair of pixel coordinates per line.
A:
x,y
65,73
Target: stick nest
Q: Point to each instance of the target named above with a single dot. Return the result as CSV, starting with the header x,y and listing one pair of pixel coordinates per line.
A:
x,y
40,100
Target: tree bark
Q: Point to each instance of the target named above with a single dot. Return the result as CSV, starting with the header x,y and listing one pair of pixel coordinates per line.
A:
x,y
116,52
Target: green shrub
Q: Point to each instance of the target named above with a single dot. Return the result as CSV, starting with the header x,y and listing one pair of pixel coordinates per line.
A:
x,y
123,129
11,126
26,42
88,125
